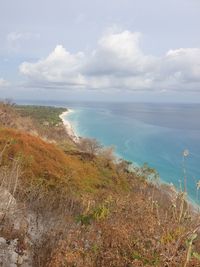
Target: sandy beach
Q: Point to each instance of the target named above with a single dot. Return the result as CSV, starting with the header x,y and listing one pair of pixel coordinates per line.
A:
x,y
69,129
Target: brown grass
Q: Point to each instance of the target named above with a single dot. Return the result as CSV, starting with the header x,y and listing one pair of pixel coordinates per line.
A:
x,y
95,212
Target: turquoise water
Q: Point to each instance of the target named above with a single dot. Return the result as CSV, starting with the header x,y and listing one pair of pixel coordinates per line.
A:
x,y
152,133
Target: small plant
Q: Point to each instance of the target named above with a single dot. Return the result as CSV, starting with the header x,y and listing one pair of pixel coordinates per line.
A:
x,y
99,213
84,219
148,173
189,244
153,261
185,155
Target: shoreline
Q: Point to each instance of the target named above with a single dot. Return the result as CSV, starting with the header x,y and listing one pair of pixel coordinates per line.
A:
x,y
68,127
167,188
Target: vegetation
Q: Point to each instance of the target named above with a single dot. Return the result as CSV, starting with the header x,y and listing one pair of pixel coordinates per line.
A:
x,y
47,116
78,206
91,146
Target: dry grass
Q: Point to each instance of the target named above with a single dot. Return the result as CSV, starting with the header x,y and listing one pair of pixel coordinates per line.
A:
x,y
95,212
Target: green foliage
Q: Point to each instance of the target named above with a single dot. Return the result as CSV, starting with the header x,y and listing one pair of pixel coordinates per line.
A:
x,y
153,261
101,212
95,248
196,255
172,236
148,173
47,116
189,243
84,219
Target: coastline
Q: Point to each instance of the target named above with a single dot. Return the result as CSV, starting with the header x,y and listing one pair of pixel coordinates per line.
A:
x,y
166,188
68,127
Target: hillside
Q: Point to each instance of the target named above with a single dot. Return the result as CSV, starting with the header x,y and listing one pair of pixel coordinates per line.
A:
x,y
65,205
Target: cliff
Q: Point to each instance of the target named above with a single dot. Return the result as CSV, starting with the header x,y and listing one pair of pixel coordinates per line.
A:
x,y
65,204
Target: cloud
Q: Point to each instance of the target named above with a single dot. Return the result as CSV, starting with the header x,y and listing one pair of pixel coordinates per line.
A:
x,y
4,83
184,64
118,62
59,68
122,55
15,39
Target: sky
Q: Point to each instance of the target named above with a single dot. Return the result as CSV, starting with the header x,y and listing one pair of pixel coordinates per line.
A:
x,y
97,50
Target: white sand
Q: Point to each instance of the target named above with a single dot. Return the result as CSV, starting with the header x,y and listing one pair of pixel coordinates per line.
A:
x,y
68,126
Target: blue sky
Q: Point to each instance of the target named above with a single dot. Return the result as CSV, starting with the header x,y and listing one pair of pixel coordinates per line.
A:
x,y
116,50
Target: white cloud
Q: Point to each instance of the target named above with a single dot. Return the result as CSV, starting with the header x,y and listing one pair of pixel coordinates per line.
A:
x,y
3,83
119,54
118,62
60,67
14,39
184,64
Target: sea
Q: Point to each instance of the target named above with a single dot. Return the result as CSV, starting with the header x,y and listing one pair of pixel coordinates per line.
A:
x,y
152,133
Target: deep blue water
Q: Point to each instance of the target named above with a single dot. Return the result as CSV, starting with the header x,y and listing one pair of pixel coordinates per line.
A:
x,y
153,133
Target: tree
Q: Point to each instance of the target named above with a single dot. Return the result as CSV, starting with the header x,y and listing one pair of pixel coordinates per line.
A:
x,y
91,146
124,165
108,153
